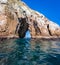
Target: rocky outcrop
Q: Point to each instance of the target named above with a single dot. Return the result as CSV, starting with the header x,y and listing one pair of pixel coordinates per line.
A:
x,y
16,18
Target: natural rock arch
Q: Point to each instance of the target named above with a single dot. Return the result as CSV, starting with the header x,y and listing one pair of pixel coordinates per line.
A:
x,y
16,18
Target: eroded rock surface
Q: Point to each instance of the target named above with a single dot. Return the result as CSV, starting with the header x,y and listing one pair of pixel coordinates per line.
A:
x,y
16,18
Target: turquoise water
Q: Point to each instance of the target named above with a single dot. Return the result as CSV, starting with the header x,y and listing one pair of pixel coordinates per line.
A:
x,y
29,52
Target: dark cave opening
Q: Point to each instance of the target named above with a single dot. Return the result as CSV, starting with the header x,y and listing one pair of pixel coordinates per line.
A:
x,y
23,28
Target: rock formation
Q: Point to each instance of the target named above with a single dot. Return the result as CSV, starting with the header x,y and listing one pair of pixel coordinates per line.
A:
x,y
16,18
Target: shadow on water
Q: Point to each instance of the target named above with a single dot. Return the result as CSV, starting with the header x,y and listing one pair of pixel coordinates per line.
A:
x,y
29,52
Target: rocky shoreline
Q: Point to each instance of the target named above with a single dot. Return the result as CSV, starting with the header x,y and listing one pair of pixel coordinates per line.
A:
x,y
54,38
48,39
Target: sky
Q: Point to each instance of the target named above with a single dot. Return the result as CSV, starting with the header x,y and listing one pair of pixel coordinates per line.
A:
x,y
49,8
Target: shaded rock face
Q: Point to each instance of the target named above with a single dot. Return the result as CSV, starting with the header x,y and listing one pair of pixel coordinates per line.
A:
x,y
23,27
16,18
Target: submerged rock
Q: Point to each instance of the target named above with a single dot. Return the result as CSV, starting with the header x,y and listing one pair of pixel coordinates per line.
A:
x,y
16,18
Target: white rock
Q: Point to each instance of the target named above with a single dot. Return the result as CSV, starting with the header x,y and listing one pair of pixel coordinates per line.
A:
x,y
3,1
2,22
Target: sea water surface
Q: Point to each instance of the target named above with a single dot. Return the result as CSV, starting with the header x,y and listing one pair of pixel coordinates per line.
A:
x,y
29,52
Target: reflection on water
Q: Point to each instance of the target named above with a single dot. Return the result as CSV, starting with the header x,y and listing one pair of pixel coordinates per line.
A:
x,y
29,52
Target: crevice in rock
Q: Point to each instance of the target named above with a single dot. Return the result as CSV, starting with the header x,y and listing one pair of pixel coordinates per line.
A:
x,y
49,30
37,30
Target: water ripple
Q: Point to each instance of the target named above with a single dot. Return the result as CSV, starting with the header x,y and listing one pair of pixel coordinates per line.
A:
x,y
29,52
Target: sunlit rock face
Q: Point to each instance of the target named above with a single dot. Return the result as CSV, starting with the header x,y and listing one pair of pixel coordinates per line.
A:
x,y
3,1
16,18
8,20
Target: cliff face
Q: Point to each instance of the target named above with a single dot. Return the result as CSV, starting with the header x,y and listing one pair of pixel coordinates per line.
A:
x,y
16,18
